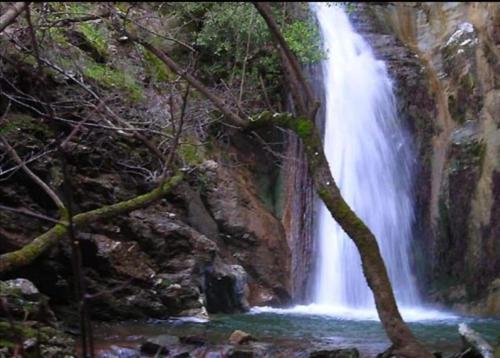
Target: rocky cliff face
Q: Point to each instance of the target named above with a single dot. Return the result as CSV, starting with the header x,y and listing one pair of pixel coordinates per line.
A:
x,y
444,59
215,244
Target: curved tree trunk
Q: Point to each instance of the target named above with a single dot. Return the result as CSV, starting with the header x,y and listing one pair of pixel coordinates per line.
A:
x,y
405,344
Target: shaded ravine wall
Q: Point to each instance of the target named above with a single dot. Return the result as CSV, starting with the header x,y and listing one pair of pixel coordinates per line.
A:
x,y
443,58
300,201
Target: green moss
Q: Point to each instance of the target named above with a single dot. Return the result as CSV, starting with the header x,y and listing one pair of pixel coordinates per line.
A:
x,y
304,127
26,123
95,36
468,82
115,78
57,36
192,154
155,68
52,342
122,6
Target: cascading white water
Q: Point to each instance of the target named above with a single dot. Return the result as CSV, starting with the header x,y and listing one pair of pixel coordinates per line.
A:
x,y
370,160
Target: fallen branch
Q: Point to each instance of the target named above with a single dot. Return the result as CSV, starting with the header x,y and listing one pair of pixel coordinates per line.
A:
x,y
28,253
33,176
473,340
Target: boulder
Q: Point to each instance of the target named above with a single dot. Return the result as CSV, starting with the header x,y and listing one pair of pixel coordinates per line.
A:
x,y
226,288
158,346
336,353
22,300
250,234
240,337
26,318
120,352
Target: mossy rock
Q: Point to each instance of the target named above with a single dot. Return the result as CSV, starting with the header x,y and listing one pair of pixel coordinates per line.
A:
x,y
21,123
48,340
192,154
23,301
114,78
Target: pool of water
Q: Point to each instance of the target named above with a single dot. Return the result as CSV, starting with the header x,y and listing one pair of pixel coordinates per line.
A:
x,y
301,328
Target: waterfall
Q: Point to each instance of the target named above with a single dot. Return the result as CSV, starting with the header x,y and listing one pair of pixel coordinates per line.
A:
x,y
370,159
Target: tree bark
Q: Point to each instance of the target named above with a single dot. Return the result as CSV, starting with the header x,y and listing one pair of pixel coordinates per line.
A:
x,y
11,14
289,59
27,254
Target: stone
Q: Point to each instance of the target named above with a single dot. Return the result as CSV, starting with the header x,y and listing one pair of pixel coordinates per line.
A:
x,y
209,165
241,353
248,227
193,340
26,288
336,353
159,345
23,301
226,288
240,337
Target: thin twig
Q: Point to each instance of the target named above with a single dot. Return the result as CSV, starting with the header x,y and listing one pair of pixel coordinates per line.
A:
x,y
32,175
27,212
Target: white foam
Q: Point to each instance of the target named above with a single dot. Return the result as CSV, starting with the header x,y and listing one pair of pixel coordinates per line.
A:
x,y
410,314
192,319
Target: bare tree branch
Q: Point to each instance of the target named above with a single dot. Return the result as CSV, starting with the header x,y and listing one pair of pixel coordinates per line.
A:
x,y
33,176
11,14
28,253
218,102
27,212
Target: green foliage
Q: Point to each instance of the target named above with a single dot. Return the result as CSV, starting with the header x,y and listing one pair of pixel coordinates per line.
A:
x,y
114,78
304,127
227,27
191,154
57,35
94,34
23,123
235,42
155,68
304,40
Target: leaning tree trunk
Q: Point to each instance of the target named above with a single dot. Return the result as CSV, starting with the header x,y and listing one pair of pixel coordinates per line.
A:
x,y
404,342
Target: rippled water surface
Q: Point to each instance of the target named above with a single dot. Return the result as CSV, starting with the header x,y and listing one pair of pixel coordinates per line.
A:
x,y
300,330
